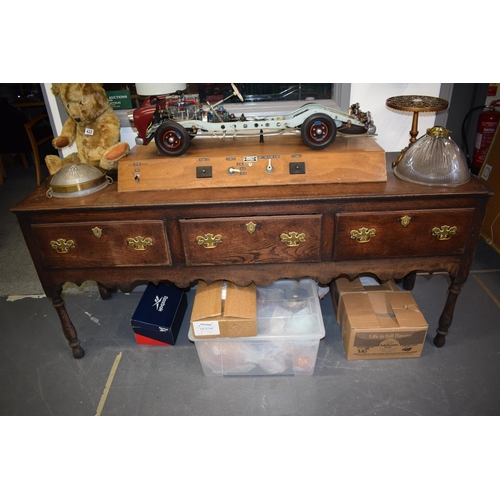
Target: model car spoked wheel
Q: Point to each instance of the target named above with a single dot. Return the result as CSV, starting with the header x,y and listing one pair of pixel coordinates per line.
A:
x,y
318,131
172,139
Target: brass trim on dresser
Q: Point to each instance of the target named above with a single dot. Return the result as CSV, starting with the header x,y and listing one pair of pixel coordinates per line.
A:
x,y
139,242
444,233
209,240
363,235
292,239
62,245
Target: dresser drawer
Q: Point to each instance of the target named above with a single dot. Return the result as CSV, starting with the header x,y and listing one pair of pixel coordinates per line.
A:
x,y
379,235
252,240
97,244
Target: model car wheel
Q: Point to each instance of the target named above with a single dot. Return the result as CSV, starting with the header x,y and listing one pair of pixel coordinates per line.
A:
x,y
318,131
172,139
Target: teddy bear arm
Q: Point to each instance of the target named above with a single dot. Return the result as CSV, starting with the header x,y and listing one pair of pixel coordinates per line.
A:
x,y
67,136
118,151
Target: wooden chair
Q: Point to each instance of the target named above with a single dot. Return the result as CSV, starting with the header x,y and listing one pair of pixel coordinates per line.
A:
x,y
13,139
38,135
2,170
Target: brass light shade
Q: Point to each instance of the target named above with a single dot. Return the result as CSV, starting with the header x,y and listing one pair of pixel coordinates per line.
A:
x,y
434,160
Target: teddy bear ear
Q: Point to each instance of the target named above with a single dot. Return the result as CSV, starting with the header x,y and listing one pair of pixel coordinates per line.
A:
x,y
56,89
90,88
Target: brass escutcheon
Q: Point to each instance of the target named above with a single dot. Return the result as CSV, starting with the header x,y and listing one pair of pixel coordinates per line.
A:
x,y
251,227
139,242
62,245
292,239
363,235
209,240
97,231
405,220
444,232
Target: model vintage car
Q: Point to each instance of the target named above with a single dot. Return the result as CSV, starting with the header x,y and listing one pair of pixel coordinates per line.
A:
x,y
174,119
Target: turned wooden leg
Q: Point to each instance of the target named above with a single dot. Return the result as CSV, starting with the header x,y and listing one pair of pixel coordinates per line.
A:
x,y
68,328
447,314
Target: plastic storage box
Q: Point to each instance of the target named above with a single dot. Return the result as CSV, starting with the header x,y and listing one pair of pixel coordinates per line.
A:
x,y
289,328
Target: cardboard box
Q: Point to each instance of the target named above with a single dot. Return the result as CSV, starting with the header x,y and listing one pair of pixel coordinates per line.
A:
x,y
223,309
380,324
289,329
158,317
490,175
362,284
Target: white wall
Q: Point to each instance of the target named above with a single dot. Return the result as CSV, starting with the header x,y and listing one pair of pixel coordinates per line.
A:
x,y
56,120
393,127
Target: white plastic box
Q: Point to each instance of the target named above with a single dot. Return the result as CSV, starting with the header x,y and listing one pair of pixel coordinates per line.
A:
x,y
289,328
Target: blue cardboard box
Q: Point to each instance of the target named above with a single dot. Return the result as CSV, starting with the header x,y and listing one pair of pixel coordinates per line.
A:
x,y
158,317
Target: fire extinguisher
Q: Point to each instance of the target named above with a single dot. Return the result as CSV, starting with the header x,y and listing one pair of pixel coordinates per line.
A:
x,y
486,126
488,122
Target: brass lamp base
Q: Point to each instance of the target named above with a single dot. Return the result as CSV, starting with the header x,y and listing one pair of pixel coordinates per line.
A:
x,y
417,104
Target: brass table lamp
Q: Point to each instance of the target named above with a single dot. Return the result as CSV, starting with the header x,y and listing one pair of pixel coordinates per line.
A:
x,y
417,104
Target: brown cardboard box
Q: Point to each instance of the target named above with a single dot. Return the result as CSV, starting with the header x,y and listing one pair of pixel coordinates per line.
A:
x,y
490,175
343,285
223,309
381,324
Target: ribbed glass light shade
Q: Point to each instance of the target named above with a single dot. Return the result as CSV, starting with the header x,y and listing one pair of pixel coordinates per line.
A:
x,y
434,160
75,173
76,179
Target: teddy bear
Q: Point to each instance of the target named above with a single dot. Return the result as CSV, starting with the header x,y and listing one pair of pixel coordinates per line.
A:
x,y
92,123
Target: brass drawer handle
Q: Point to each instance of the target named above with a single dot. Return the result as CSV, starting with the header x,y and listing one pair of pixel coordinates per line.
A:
x,y
209,240
139,242
292,239
62,245
363,235
444,233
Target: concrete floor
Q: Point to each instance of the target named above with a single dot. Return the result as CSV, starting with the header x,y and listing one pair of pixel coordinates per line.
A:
x,y
39,376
